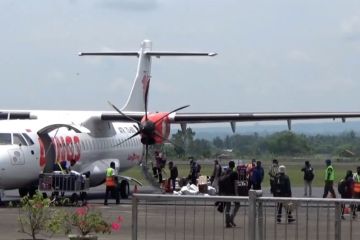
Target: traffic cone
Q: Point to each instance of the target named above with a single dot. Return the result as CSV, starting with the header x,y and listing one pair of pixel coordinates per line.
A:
x,y
135,189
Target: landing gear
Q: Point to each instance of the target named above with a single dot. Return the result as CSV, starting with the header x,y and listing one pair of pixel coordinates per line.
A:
x,y
23,192
31,191
124,189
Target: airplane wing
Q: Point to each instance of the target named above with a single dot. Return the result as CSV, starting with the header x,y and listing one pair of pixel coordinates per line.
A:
x,y
236,117
185,118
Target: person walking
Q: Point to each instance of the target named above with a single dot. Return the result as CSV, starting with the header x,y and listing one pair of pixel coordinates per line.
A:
x,y
111,184
308,178
214,179
273,171
345,189
227,188
194,171
159,165
282,188
257,176
173,175
329,180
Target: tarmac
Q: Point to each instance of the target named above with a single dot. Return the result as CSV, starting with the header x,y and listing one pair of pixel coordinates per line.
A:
x,y
9,215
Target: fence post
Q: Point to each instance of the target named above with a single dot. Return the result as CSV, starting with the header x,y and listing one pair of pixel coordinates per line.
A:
x,y
260,220
337,221
253,195
134,223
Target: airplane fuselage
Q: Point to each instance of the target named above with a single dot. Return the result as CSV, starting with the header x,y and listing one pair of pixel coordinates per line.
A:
x,y
30,147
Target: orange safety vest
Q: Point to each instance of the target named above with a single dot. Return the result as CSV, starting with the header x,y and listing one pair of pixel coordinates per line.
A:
x,y
110,180
356,187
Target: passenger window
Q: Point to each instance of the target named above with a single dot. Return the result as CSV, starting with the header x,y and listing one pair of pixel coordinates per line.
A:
x,y
28,139
5,139
18,139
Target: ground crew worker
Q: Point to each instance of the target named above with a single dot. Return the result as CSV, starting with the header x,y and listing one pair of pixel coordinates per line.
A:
x,y
329,179
111,184
356,192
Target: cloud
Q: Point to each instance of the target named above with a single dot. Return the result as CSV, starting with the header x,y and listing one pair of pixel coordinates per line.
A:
x,y
351,28
131,5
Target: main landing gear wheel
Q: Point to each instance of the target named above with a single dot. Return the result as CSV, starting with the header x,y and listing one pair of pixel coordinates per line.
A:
x,y
23,192
124,189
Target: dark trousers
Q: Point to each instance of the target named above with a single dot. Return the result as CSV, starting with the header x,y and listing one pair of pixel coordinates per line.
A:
x,y
257,186
279,212
172,182
230,215
114,193
272,184
329,188
157,173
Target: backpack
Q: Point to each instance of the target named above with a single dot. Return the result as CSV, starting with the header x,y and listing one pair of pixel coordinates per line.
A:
x,y
309,174
342,187
279,185
224,183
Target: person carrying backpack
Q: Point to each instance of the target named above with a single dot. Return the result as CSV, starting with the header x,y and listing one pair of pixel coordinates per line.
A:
x,y
283,189
308,178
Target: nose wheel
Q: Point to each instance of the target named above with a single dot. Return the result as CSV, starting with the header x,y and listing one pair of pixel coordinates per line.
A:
x,y
124,189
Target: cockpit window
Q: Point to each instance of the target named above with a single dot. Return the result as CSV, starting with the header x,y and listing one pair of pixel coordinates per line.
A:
x,y
18,139
28,139
5,138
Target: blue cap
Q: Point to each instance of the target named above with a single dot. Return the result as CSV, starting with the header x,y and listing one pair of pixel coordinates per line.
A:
x,y
328,161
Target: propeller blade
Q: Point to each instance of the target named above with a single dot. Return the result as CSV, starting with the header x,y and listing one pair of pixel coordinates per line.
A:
x,y
146,98
137,127
178,109
118,110
135,134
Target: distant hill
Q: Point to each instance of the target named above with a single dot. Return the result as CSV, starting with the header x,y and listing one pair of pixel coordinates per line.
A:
x,y
330,128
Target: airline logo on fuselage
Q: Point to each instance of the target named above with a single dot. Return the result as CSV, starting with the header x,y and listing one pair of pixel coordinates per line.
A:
x,y
66,148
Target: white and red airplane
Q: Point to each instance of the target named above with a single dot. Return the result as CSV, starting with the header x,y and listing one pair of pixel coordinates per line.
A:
x,y
32,141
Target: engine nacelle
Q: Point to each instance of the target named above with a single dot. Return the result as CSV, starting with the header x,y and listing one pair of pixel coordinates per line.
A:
x,y
156,129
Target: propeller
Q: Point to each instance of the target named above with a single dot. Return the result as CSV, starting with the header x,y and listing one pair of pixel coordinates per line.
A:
x,y
147,127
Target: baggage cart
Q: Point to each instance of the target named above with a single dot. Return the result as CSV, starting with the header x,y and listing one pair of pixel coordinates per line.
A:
x,y
61,185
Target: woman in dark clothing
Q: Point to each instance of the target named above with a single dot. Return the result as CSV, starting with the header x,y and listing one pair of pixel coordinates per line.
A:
x,y
347,190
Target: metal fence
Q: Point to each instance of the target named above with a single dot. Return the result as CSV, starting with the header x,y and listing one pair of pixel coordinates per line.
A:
x,y
172,217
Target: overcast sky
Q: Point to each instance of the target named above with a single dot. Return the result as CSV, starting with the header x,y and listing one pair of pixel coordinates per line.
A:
x,y
274,55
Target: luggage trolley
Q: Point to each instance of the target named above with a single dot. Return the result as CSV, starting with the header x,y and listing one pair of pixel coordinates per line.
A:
x,y
59,185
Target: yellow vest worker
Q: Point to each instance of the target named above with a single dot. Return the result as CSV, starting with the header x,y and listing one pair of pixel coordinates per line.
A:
x,y
329,179
111,185
110,179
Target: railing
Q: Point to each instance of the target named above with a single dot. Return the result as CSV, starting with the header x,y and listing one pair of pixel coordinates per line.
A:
x,y
196,217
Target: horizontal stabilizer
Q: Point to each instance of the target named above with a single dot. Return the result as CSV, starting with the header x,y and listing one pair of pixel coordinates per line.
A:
x,y
179,54
108,54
